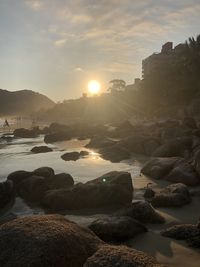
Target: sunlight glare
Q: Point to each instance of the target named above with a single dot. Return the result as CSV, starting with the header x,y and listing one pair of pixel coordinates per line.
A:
x,y
94,87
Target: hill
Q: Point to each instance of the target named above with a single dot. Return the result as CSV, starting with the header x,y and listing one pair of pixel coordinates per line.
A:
x,y
23,102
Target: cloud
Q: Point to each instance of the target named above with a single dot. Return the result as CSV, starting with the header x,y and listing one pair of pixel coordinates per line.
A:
x,y
78,69
34,4
60,43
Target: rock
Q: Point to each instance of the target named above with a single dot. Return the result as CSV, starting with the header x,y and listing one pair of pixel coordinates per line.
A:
x,y
117,228
196,160
175,195
172,132
120,256
44,172
33,188
61,180
7,193
143,212
113,188
18,176
114,153
149,193
41,149
174,148
181,232
158,168
100,142
183,173
84,153
44,241
25,133
57,136
71,156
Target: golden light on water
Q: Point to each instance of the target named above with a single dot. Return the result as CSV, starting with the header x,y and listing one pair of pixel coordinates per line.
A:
x,y
94,87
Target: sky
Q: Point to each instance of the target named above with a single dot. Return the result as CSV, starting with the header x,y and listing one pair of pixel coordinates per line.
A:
x,y
56,46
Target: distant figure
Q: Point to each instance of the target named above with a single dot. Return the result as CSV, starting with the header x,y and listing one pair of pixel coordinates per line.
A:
x,y
6,124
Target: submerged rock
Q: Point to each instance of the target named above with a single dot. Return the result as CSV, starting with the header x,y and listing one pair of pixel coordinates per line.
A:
x,y
143,212
43,241
74,155
122,256
117,228
114,188
41,149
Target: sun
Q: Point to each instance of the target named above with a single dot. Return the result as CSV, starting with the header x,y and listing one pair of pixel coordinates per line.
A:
x,y
94,87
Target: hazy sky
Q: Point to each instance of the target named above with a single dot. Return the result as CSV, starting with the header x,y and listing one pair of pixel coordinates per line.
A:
x,y
56,46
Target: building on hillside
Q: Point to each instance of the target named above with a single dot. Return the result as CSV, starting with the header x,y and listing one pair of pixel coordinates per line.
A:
x,y
153,62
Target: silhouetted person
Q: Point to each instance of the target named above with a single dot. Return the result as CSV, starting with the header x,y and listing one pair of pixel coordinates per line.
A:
x,y
6,124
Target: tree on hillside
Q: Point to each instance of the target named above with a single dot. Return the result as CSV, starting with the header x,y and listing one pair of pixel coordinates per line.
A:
x,y
117,85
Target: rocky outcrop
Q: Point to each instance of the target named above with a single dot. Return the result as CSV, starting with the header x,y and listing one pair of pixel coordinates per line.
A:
x,y
110,256
18,176
98,142
41,149
143,212
188,232
44,172
117,228
175,195
114,188
43,241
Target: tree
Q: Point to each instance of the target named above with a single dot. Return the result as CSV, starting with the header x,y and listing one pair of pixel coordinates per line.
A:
x,y
117,85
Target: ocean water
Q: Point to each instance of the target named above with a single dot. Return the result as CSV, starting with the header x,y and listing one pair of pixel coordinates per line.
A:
x,y
15,154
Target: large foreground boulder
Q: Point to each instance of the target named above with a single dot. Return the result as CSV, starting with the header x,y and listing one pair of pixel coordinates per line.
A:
x,y
188,232
143,212
117,228
18,176
111,189
122,256
175,195
44,241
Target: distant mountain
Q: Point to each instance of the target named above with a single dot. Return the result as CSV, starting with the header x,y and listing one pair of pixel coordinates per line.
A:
x,y
23,102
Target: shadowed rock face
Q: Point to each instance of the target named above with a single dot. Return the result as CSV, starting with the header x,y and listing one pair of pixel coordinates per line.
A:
x,y
7,193
110,256
117,228
45,241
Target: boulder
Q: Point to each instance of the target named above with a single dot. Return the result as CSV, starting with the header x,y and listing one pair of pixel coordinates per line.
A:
x,y
172,132
189,122
114,153
177,147
175,195
183,173
143,212
26,133
61,180
122,256
7,193
41,149
114,188
158,168
188,232
100,142
117,228
33,188
44,241
73,156
18,176
196,160
44,172
57,136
